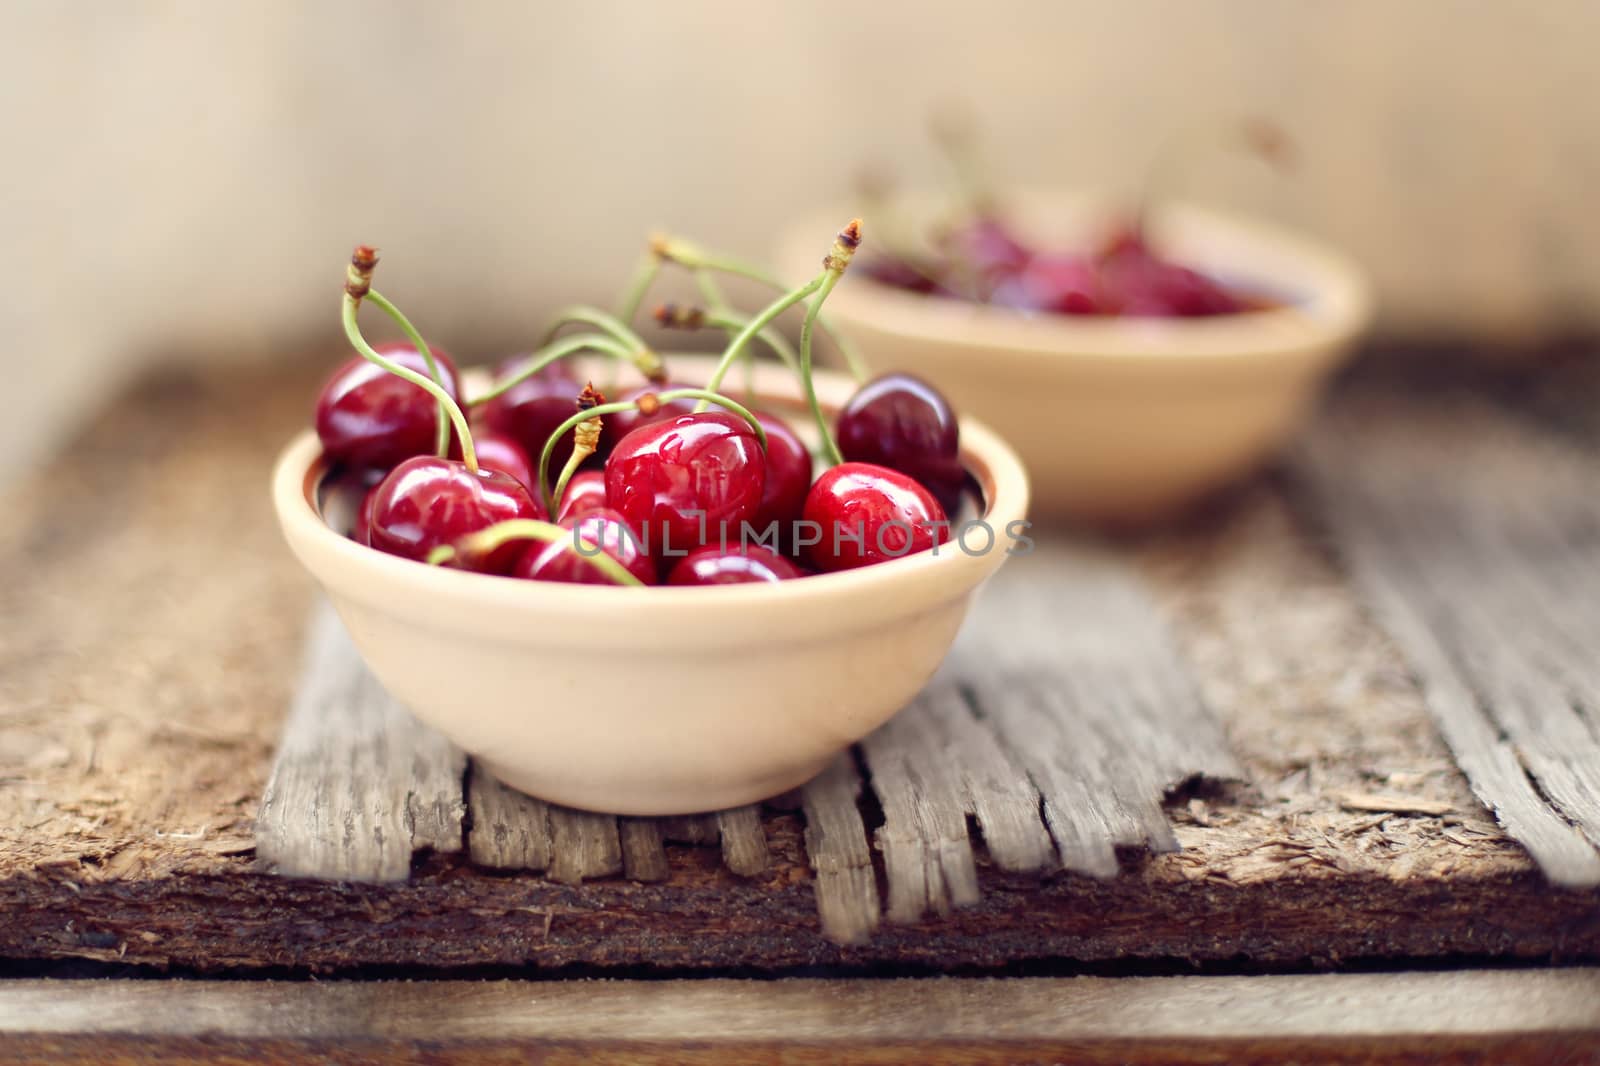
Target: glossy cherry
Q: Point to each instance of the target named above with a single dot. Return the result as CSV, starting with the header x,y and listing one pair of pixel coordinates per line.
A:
x,y
862,514
622,423
585,492
735,565
499,451
367,416
902,422
788,478
531,410
687,481
603,530
426,503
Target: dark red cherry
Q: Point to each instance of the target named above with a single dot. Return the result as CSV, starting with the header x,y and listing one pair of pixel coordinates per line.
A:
x,y
788,479
361,528
426,502
562,560
1064,284
1138,282
499,451
902,422
735,565
902,275
531,410
585,492
622,423
688,481
986,245
864,514
367,416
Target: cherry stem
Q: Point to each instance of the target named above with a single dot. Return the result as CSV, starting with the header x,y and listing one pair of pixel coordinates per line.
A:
x,y
491,537
712,396
352,330
670,316
830,447
603,321
644,275
572,423
646,361
730,355
693,257
441,446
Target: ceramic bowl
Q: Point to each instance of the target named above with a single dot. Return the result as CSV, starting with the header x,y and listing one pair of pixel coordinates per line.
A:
x,y
1120,420
660,700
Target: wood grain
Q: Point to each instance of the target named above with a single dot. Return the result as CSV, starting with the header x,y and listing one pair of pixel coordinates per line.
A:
x,y
510,830
1474,539
836,847
1506,1016
358,784
135,741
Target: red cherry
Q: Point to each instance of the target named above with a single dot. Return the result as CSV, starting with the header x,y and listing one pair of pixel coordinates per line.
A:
x,y
361,528
622,423
499,451
687,481
783,494
1065,284
561,560
426,502
987,246
1137,282
367,416
900,274
531,410
867,514
712,565
902,422
585,492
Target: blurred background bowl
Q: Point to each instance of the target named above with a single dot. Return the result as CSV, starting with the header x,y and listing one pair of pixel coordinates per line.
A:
x,y
1119,420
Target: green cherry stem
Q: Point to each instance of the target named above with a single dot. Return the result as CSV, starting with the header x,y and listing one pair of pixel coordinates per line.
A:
x,y
838,259
441,445
491,537
358,285
675,316
730,355
605,322
646,361
644,275
689,255
711,396
572,423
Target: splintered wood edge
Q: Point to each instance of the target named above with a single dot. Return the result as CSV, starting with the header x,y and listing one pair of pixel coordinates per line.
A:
x,y
857,1013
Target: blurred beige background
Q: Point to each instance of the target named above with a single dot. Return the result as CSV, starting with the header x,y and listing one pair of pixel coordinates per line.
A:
x,y
186,179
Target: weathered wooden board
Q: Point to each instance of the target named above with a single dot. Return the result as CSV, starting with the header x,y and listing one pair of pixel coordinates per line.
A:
x,y
136,738
1477,540
1515,1016
358,784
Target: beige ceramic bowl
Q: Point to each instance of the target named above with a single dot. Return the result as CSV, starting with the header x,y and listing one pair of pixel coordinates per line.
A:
x,y
660,700
1121,420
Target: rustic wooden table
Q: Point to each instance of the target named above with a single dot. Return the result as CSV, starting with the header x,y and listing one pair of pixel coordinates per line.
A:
x,y
1390,630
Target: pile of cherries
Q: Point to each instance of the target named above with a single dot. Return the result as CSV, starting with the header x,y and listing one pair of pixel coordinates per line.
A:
x,y
980,257
664,486
984,260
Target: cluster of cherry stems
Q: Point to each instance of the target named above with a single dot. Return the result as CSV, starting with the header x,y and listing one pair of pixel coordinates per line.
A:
x,y
670,483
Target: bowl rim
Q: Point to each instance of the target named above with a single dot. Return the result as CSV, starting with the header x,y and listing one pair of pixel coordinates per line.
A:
x,y
1337,304
301,466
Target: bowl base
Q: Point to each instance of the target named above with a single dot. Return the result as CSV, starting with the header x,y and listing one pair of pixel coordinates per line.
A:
x,y
639,799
